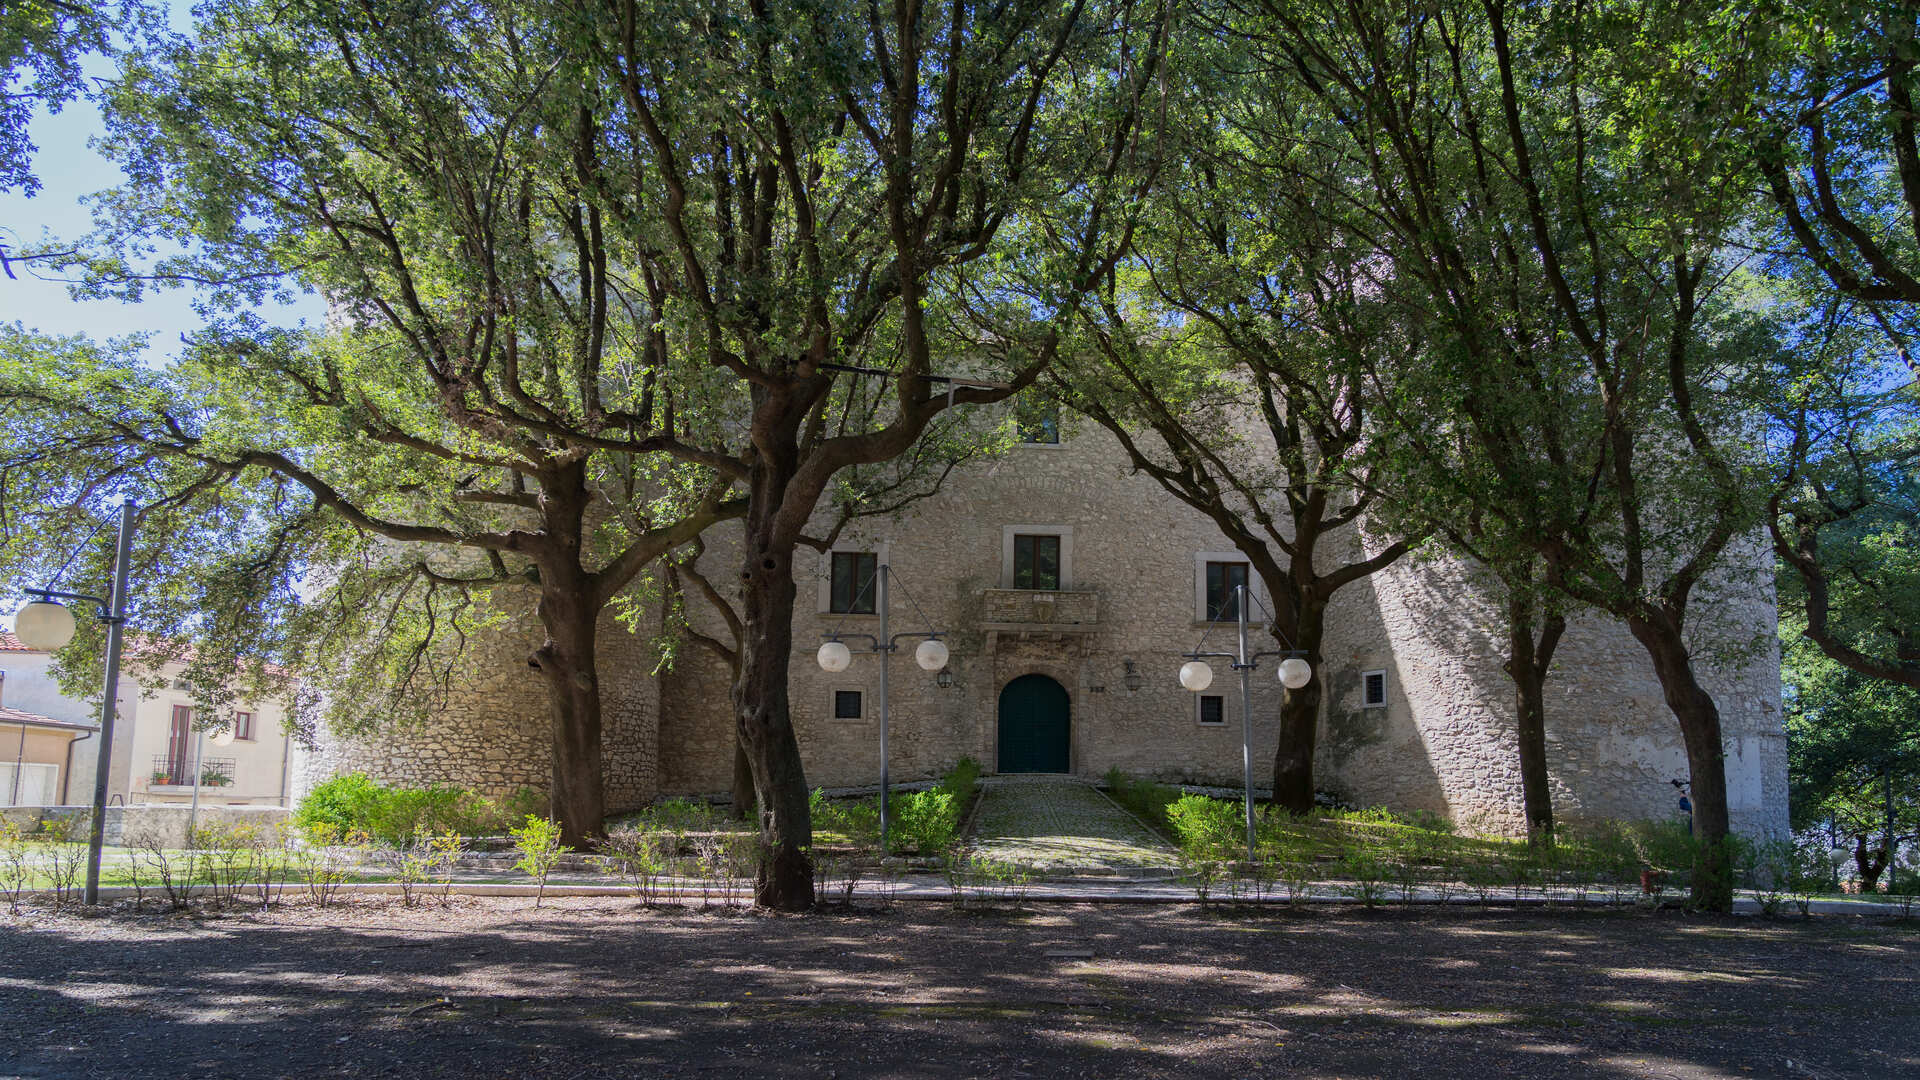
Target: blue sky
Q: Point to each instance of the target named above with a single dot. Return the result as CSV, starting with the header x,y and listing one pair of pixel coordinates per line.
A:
x,y
69,169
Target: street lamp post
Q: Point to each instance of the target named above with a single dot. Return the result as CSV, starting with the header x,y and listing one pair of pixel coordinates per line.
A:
x,y
47,625
1196,676
834,656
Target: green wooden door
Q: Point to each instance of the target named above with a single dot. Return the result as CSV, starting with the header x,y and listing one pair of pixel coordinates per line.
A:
x,y
1033,726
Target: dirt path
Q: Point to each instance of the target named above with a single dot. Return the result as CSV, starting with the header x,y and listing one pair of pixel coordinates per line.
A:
x,y
602,989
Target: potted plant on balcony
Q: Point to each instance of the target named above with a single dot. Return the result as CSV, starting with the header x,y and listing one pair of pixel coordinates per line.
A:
x,y
161,777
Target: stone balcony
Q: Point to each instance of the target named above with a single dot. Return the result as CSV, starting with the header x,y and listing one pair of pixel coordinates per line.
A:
x,y
1039,611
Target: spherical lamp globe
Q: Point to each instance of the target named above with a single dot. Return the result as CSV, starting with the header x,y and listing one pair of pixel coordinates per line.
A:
x,y
1295,673
224,738
834,657
44,625
1195,675
931,655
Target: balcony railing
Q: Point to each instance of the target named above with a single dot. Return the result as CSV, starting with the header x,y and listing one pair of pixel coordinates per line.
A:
x,y
1043,610
173,771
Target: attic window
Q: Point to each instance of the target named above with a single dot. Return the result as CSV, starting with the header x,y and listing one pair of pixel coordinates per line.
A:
x,y
1373,689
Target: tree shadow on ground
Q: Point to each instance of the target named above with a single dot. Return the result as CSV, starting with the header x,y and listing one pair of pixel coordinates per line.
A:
x,y
604,988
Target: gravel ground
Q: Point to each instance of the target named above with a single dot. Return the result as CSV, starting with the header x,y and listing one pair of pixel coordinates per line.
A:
x,y
601,988
1054,826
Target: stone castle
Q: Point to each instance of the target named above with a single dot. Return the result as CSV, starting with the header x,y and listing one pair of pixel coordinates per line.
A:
x,y
1055,575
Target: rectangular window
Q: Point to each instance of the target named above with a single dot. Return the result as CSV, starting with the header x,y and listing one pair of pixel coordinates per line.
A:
x,y
847,705
1213,709
179,738
243,726
853,585
1036,420
1036,562
1373,689
1223,579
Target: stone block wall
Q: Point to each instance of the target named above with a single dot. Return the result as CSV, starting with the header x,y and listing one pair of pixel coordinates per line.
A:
x,y
1444,742
495,735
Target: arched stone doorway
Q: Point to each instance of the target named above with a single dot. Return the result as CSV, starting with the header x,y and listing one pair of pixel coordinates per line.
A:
x,y
1035,728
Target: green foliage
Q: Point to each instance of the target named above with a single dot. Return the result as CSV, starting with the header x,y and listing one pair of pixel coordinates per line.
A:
x,y
1203,825
961,780
341,803
538,842
923,821
1144,797
682,815
394,816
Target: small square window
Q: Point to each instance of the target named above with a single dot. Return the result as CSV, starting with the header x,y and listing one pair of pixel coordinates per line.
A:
x,y
848,705
1373,689
1213,709
853,582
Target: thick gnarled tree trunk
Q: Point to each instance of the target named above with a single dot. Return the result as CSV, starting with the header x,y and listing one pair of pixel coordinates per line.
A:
x,y
569,611
1699,721
569,662
1300,717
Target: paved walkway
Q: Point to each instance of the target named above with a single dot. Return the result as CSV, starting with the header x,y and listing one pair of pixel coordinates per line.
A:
x,y
1060,827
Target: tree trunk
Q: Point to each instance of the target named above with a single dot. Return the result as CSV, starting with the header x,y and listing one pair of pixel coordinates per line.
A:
x,y
1527,664
743,797
766,730
1300,718
1870,862
570,612
568,660
1699,721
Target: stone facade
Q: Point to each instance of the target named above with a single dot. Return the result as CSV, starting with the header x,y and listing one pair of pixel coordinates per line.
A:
x,y
1131,593
495,738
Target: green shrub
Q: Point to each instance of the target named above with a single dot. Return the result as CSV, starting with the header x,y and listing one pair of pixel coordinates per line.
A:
x,y
345,803
960,780
394,815
683,815
923,821
1202,825
538,842
856,819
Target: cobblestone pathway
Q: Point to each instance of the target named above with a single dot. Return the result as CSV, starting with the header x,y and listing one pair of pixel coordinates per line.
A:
x,y
1062,827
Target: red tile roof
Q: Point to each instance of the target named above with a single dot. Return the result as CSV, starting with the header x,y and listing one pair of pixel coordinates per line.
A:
x,y
9,643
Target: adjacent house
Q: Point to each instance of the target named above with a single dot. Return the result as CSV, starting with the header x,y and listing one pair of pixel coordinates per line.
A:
x,y
163,752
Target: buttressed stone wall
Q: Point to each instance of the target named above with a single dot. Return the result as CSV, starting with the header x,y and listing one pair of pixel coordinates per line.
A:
x,y
1132,561
496,734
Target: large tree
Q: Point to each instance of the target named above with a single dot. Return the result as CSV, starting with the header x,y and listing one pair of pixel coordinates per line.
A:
x,y
824,185
497,405
1567,262
42,46
1229,360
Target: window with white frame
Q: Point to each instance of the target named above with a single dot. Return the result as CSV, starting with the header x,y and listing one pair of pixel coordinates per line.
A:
x,y
851,588
1373,689
1036,557
1216,575
848,575
1036,421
